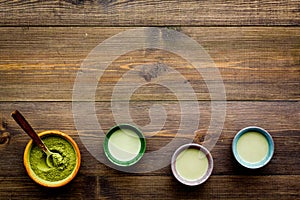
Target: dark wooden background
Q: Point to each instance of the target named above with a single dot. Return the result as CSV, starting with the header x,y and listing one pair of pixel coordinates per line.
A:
x,y
254,44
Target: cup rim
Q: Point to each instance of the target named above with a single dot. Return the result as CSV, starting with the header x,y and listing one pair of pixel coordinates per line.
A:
x,y
46,183
204,177
261,163
133,161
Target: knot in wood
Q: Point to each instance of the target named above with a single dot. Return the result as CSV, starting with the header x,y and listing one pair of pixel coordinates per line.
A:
x,y
150,71
4,138
199,136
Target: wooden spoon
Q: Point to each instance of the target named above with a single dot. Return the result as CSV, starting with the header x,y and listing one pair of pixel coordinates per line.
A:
x,y
56,157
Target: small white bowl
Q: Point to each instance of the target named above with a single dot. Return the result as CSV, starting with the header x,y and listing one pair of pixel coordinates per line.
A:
x,y
203,178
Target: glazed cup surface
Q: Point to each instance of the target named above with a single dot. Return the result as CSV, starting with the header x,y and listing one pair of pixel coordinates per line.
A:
x,y
201,179
41,181
140,154
269,155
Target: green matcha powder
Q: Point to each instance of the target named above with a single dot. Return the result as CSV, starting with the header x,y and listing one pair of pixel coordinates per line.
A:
x,y
63,165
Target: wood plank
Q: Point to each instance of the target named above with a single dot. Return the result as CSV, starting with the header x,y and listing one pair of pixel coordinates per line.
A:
x,y
281,119
148,13
23,187
127,186
41,63
250,187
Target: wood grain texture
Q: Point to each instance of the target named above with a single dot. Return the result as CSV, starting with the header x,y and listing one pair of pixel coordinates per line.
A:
x,y
156,187
255,45
148,13
283,127
41,64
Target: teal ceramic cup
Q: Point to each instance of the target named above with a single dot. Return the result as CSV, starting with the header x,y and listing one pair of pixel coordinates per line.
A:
x,y
124,145
253,147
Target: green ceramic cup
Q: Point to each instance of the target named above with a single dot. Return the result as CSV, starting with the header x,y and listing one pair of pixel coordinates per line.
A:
x,y
124,145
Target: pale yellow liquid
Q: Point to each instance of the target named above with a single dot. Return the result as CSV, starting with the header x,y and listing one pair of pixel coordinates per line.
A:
x,y
124,145
191,164
252,147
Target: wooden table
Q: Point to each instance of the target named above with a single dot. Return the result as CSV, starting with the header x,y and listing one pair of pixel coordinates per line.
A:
x,y
254,44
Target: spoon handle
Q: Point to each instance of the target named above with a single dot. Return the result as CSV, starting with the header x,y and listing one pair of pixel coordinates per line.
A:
x,y
19,118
